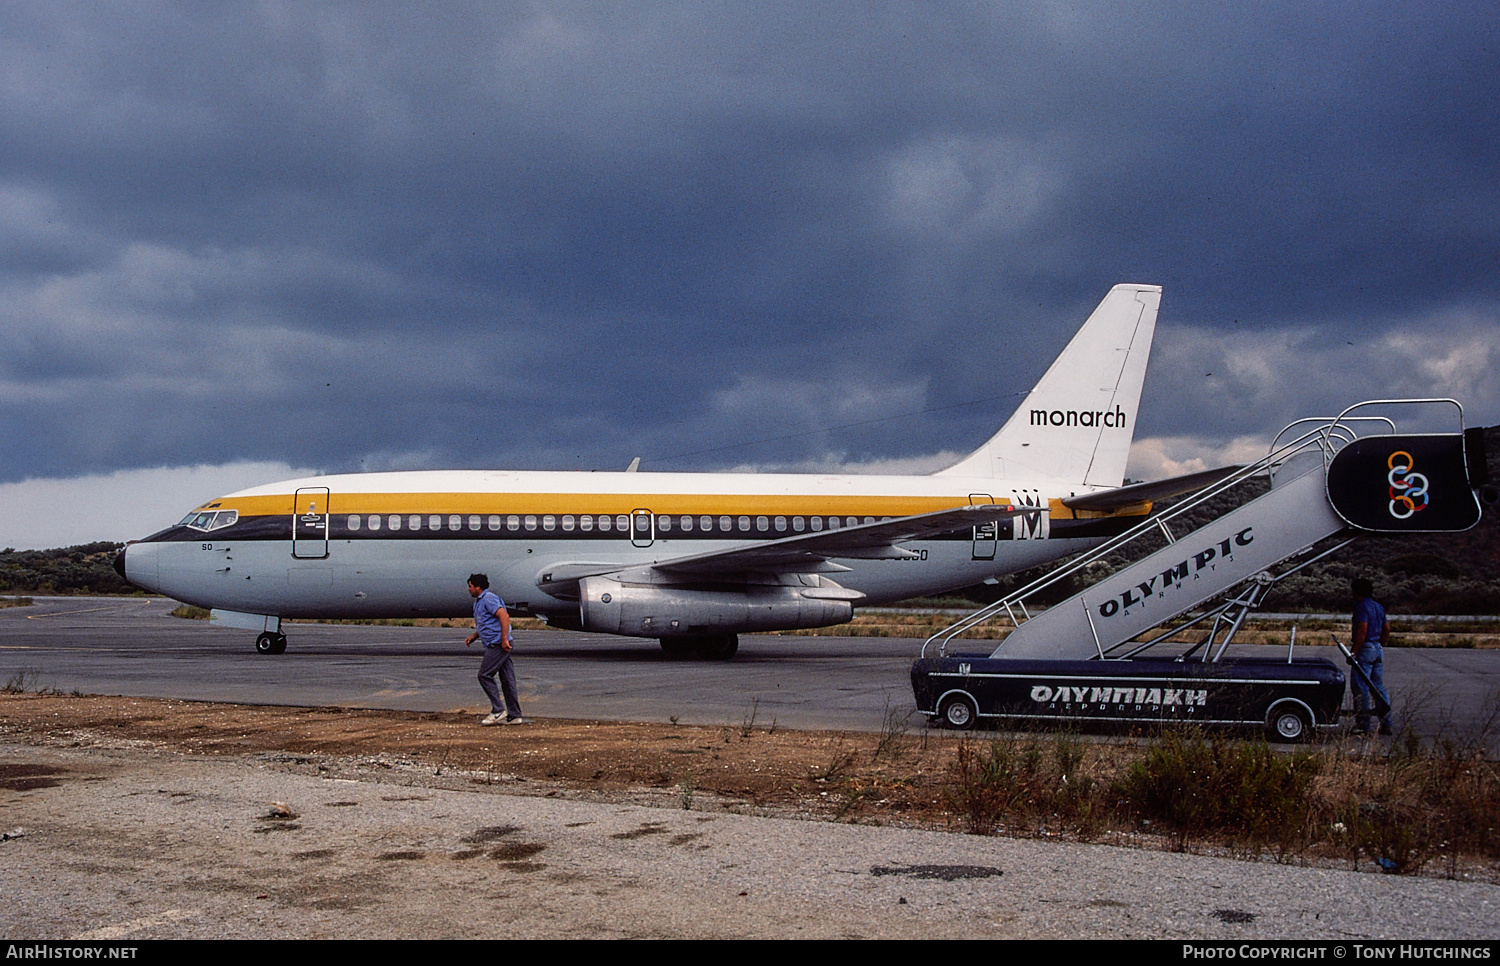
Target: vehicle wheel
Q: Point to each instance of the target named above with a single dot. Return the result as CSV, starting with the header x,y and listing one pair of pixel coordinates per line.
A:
x,y
266,643
1288,724
718,647
675,646
958,712
279,645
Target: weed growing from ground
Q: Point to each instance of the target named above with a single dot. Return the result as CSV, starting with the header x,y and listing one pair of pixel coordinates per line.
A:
x,y
747,723
894,725
1243,791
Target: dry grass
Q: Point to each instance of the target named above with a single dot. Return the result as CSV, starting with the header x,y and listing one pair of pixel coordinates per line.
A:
x,y
1421,806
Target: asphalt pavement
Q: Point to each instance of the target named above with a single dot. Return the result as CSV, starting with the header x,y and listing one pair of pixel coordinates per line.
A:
x,y
132,646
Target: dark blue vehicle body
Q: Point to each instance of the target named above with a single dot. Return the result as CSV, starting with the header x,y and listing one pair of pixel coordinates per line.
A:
x,y
1288,699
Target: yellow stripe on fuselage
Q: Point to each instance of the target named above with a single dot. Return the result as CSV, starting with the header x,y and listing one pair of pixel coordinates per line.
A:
x,y
600,503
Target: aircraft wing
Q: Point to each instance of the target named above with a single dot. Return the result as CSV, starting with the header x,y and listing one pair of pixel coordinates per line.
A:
x,y
811,552
1137,492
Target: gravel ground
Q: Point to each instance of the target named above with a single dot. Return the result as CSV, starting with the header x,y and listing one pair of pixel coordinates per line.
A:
x,y
131,843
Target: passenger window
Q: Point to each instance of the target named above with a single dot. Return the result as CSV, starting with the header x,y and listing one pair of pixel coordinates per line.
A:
x,y
354,521
833,523
374,521
797,524
781,524
869,519
455,522
852,522
568,522
530,521
622,522
494,521
762,524
817,522
687,522
664,523
705,523
605,523
725,524
474,522
414,522
394,522
549,522
434,522
512,522
586,522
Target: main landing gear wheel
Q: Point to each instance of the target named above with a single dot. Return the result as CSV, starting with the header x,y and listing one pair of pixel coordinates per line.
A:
x,y
706,647
958,712
269,643
718,647
1288,724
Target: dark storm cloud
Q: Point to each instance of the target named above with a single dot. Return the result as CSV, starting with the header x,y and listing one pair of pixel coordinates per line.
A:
x,y
363,236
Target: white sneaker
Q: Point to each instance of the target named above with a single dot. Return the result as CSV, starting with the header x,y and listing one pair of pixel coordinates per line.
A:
x,y
492,719
514,720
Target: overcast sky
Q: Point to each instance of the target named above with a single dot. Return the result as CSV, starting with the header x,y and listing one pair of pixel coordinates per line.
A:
x,y
240,241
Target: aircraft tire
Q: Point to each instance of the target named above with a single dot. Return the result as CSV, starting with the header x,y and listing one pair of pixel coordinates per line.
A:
x,y
269,643
718,647
704,647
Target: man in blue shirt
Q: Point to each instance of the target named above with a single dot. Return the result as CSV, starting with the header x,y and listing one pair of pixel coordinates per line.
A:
x,y
492,625
1370,634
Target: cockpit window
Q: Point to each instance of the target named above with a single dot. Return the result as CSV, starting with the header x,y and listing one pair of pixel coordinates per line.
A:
x,y
207,520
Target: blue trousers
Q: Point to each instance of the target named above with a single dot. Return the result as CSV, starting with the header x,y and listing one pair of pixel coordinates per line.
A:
x,y
497,662
1371,660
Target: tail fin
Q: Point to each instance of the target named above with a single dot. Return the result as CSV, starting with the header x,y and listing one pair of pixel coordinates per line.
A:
x,y
1075,426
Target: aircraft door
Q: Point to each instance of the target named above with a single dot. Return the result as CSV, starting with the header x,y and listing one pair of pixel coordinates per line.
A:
x,y
642,528
310,523
985,534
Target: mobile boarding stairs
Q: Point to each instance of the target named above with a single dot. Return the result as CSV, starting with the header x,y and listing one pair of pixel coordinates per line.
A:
x,y
1330,480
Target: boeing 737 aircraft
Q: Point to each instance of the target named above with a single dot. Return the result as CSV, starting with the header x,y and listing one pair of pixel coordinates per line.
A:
x,y
693,559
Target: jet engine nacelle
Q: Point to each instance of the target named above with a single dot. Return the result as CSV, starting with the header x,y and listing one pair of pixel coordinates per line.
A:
x,y
646,610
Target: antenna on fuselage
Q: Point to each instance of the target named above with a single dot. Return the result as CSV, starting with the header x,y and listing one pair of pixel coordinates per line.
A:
x,y
635,464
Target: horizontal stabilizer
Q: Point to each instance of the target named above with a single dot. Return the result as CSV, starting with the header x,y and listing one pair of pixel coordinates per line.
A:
x,y
1137,492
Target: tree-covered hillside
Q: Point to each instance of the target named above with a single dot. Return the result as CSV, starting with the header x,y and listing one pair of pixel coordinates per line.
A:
x,y
84,569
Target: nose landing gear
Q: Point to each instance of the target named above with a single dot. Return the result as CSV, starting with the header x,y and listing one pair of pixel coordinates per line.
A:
x,y
269,643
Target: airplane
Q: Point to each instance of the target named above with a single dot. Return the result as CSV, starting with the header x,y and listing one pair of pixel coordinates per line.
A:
x,y
691,559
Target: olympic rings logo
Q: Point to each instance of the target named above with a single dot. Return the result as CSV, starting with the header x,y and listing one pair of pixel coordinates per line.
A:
x,y
1408,490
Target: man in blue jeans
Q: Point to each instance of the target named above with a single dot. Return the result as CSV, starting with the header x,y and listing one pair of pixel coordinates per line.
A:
x,y
1370,634
492,625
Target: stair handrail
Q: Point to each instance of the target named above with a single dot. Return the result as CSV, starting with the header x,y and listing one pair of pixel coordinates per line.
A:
x,y
1327,438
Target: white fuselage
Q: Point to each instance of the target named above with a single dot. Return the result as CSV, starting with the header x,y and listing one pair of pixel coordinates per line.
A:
x,y
520,527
